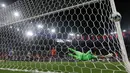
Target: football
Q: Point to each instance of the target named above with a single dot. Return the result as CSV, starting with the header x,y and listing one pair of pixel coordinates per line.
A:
x,y
115,17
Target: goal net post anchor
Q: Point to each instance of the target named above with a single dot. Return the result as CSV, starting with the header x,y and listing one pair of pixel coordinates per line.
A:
x,y
121,41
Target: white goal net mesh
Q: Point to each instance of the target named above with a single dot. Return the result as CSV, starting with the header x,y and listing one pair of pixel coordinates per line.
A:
x,y
36,35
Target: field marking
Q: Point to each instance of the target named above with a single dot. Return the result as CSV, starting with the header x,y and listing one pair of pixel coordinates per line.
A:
x,y
31,71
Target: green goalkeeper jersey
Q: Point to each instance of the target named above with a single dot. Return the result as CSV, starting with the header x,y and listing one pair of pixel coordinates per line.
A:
x,y
82,56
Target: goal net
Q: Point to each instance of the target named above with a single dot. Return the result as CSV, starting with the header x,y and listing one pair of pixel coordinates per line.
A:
x,y
61,36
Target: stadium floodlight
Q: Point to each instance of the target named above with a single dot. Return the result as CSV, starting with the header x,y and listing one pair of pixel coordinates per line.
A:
x,y
48,28
71,34
3,5
112,33
59,40
68,40
104,33
18,29
124,30
29,33
53,30
16,14
78,35
39,26
11,27
115,32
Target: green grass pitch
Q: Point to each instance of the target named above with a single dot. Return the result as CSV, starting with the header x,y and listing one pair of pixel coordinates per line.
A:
x,y
64,67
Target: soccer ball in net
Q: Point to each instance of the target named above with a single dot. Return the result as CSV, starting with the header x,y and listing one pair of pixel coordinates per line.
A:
x,y
115,17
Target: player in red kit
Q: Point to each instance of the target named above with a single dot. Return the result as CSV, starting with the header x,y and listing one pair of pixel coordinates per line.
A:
x,y
53,52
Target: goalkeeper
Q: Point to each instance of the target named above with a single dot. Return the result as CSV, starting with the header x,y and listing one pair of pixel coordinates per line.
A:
x,y
82,56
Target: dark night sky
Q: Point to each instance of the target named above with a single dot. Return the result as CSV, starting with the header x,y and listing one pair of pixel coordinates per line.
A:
x,y
123,6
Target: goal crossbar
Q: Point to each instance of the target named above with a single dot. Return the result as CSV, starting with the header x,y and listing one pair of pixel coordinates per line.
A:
x,y
53,12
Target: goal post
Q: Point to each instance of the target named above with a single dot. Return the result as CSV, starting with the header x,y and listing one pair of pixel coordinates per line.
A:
x,y
120,37
62,36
